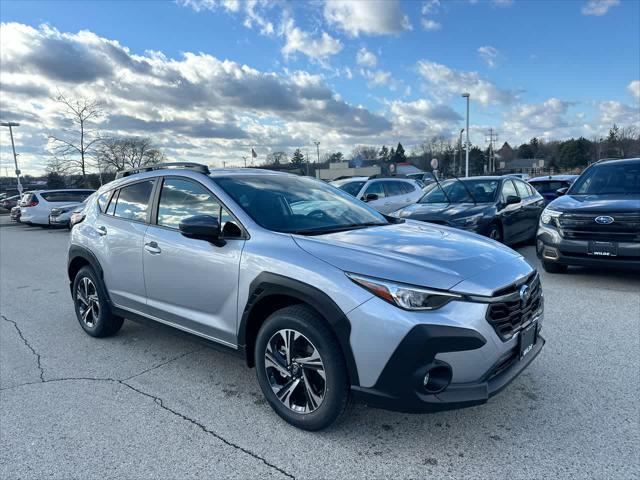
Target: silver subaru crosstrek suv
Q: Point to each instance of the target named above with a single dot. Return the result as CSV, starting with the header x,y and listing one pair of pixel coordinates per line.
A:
x,y
326,297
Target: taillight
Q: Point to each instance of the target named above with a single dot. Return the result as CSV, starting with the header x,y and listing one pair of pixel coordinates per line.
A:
x,y
33,203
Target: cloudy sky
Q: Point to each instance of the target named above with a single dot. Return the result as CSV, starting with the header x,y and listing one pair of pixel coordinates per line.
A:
x,y
210,79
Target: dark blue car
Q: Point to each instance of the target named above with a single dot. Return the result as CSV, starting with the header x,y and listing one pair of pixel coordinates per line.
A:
x,y
506,209
548,186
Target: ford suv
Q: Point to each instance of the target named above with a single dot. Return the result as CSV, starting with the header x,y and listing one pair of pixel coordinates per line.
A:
x,y
327,298
596,222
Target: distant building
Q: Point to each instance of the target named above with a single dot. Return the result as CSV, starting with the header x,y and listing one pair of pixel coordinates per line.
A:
x,y
522,165
342,169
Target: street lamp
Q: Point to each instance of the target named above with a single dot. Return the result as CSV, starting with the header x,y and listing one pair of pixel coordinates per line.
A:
x,y
317,144
15,157
466,169
460,148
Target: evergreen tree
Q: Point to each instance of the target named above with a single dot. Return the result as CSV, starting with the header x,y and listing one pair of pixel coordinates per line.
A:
x,y
297,158
383,155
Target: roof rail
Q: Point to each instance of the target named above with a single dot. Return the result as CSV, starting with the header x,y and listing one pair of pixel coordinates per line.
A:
x,y
197,167
382,175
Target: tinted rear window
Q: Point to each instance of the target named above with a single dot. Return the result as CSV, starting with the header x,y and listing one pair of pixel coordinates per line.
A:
x,y
133,201
66,197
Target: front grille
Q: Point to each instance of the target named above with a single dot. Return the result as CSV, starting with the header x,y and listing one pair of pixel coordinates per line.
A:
x,y
509,315
583,226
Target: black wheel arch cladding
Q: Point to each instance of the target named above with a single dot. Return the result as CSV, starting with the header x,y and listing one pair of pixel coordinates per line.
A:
x,y
270,285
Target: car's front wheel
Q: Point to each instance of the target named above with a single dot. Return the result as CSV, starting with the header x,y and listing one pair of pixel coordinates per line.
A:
x,y
92,308
301,369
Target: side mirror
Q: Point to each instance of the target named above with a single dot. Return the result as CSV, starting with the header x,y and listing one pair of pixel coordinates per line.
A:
x,y
202,227
562,191
513,199
370,197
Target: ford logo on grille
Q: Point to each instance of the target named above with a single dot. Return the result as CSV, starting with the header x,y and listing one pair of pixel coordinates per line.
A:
x,y
604,220
525,293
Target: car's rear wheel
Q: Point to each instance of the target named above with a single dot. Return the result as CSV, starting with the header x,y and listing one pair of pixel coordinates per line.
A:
x,y
551,267
301,369
92,308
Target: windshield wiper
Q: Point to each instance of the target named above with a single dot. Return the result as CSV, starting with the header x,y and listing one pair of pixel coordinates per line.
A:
x,y
440,186
337,228
467,189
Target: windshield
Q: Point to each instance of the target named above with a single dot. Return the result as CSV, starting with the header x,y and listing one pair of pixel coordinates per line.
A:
x,y
292,204
352,188
620,179
453,191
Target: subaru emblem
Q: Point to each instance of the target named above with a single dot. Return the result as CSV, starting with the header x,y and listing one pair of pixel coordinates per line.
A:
x,y
604,220
524,293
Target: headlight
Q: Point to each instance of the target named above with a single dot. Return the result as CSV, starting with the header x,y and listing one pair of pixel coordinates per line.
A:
x,y
549,216
407,297
467,221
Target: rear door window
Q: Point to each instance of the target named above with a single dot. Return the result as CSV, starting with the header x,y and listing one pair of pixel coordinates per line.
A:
x,y
133,201
375,188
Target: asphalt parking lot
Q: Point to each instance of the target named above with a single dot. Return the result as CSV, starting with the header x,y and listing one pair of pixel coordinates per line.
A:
x,y
149,404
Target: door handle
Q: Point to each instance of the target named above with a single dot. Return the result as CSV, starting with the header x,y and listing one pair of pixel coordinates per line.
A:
x,y
152,248
102,231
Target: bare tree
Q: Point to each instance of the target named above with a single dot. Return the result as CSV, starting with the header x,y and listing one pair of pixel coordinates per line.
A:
x,y
364,152
277,158
74,146
120,153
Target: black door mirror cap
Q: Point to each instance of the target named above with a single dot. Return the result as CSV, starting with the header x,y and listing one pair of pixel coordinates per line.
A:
x,y
202,227
513,199
370,197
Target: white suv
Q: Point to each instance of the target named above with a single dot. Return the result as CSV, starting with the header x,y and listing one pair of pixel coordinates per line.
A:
x,y
36,206
384,194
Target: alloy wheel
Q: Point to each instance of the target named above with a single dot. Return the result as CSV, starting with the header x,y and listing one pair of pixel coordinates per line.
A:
x,y
88,302
295,371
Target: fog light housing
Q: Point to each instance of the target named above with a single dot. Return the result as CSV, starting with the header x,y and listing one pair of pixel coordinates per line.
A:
x,y
437,378
551,253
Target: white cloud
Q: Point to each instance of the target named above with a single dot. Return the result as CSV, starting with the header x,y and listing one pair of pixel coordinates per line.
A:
x,y
598,7
195,106
615,112
489,55
502,3
634,89
430,7
253,11
298,40
366,17
365,58
376,78
442,81
430,25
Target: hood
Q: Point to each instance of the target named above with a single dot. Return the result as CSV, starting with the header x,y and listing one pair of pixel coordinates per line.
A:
x,y
597,203
419,254
442,211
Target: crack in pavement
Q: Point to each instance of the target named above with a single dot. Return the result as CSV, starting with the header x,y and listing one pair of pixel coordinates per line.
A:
x,y
28,345
178,357
160,402
157,400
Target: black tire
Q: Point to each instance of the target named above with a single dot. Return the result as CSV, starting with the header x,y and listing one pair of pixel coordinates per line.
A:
x,y
495,233
103,322
335,388
551,267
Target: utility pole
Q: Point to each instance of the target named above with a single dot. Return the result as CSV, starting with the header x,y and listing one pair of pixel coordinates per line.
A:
x,y
466,166
493,137
317,144
13,147
307,153
245,161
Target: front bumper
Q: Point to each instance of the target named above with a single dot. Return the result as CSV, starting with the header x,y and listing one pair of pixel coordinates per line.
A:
x,y
59,221
553,248
399,393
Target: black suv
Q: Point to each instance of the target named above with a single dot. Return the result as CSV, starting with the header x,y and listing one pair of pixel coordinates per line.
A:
x,y
597,221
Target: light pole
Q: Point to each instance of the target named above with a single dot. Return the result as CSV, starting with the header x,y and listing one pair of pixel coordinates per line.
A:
x,y
466,166
460,151
15,157
317,144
